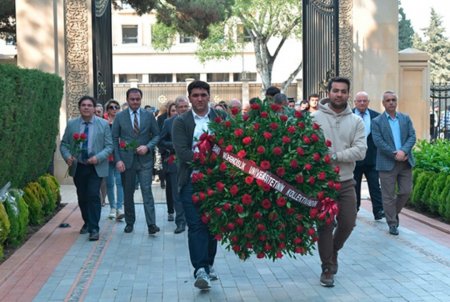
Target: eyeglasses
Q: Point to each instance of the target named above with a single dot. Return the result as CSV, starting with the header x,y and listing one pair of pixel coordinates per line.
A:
x,y
114,107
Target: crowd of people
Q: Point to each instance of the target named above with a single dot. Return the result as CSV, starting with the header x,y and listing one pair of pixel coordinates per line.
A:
x,y
121,146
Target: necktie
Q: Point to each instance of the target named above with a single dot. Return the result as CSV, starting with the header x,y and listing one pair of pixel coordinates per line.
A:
x,y
362,114
135,123
84,147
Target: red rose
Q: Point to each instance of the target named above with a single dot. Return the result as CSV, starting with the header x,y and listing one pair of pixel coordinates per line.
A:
x,y
314,137
266,204
322,175
226,206
218,211
273,126
238,132
264,114
229,148
217,119
122,144
316,126
298,240
76,136
311,232
247,140
298,114
227,124
299,179
294,164
267,247
257,215
290,211
281,246
241,154
308,167
222,167
291,129
196,177
275,107
283,118
327,159
286,139
230,226
220,186
320,195
262,237
249,180
337,169
202,196
238,208
300,151
245,116
205,218
311,180
300,250
260,255
210,192
299,229
301,125
267,135
265,165
213,157
83,136
260,149
328,143
281,202
195,198
234,110
255,106
218,237
203,136
313,212
247,199
281,171
256,126
239,221
330,184
234,189
260,227
277,151
316,156
337,186
220,142
306,139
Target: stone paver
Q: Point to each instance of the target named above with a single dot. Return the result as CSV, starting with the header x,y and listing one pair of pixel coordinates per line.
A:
x,y
374,266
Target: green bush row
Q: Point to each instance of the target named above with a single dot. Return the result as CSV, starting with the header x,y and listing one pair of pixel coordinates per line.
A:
x,y
29,107
31,206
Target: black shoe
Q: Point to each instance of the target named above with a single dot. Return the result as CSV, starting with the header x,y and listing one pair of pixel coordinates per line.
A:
x,y
94,235
84,229
128,228
163,185
153,228
393,230
180,229
170,217
379,215
398,220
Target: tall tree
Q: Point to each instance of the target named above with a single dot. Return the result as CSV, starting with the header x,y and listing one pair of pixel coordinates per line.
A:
x,y
7,19
222,25
437,44
405,30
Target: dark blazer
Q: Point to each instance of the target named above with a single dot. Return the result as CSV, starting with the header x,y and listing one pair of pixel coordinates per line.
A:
x,y
165,144
148,135
182,138
371,153
384,140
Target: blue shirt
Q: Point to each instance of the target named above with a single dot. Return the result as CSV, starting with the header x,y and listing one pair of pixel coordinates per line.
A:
x,y
395,129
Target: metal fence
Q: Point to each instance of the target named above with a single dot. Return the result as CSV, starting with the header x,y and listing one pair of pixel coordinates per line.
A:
x,y
440,111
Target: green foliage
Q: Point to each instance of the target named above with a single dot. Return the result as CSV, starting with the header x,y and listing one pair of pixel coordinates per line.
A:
x,y
425,197
34,204
51,190
4,227
447,207
163,36
405,30
433,156
444,200
30,102
18,214
419,187
436,188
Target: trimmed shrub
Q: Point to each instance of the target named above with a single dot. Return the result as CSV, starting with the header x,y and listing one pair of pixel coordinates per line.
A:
x,y
34,204
4,227
27,147
51,193
443,204
18,214
419,187
437,187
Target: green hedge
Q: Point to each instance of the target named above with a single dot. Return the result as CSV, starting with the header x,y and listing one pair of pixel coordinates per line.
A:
x,y
4,227
29,107
18,215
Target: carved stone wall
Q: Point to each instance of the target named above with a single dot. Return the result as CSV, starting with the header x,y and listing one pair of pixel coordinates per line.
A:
x,y
345,38
77,54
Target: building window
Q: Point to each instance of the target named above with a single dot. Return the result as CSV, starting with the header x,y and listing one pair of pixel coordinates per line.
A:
x,y
217,77
248,76
181,77
186,39
160,78
126,78
129,34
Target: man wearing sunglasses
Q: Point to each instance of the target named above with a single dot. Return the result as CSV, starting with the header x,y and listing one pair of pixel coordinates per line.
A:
x,y
394,136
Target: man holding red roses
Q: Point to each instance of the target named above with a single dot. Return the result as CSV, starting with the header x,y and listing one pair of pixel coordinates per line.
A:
x,y
187,129
347,135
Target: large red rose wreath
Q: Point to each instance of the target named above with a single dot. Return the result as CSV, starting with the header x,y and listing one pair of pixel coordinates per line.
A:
x,y
264,182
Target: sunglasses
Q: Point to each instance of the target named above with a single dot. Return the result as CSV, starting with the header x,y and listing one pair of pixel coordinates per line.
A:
x,y
114,107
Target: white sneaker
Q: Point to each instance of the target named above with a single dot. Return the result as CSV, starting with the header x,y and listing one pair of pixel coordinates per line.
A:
x,y
212,274
120,214
202,280
112,213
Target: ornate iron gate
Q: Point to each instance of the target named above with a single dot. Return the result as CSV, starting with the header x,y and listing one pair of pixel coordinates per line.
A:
x,y
440,111
320,44
102,50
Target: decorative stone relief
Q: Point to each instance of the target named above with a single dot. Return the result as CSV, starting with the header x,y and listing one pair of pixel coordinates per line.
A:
x,y
346,38
77,53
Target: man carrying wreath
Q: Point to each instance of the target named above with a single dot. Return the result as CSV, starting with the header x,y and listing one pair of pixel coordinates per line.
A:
x,y
347,135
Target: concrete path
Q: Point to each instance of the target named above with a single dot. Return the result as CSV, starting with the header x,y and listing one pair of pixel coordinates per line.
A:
x,y
58,264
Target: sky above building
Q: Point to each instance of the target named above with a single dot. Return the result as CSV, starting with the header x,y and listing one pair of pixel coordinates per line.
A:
x,y
419,12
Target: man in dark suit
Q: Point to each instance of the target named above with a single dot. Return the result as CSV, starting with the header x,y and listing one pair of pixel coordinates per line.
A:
x,y
366,166
88,162
187,128
166,148
394,136
135,134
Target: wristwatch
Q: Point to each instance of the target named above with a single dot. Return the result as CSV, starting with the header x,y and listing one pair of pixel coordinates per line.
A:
x,y
334,157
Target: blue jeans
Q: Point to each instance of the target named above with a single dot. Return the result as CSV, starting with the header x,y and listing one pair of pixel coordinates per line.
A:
x,y
114,178
202,244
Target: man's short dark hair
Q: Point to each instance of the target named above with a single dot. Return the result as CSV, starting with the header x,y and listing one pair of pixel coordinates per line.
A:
x,y
272,91
87,97
338,80
198,84
313,95
133,90
253,100
280,98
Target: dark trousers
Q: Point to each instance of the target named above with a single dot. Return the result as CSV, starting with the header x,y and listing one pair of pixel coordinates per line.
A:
x,y
172,191
88,183
331,242
202,244
373,183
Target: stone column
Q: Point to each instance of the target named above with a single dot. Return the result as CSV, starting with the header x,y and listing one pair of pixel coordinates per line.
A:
x,y
414,90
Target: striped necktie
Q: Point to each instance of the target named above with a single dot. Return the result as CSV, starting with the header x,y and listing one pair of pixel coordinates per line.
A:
x,y
135,123
84,147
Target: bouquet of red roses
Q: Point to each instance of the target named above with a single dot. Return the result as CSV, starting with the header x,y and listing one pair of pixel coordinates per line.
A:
x,y
264,182
130,146
76,147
